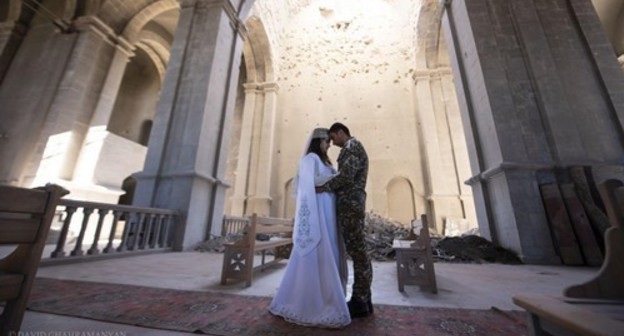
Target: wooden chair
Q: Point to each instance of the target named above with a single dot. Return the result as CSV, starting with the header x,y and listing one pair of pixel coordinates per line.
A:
x,y
25,218
414,260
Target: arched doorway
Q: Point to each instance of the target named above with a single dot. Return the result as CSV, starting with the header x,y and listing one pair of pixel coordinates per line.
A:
x,y
252,153
401,203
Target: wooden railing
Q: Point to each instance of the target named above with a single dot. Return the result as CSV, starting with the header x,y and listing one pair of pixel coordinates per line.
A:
x,y
106,231
234,225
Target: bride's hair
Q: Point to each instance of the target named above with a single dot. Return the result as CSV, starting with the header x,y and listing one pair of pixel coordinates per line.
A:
x,y
315,147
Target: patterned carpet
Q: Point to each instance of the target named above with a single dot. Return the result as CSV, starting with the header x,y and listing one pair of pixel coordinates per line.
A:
x,y
225,314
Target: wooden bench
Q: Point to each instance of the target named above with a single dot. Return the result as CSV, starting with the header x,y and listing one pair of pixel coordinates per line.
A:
x,y
597,306
238,257
25,218
414,260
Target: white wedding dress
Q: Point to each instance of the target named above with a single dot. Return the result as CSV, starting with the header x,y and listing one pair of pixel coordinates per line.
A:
x,y
312,291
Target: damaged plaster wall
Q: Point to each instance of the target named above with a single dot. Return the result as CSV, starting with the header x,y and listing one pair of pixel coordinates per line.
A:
x,y
352,61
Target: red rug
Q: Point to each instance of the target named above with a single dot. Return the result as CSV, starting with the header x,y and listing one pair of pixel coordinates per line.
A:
x,y
226,314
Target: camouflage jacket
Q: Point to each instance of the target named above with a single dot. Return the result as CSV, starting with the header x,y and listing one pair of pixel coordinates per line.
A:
x,y
350,183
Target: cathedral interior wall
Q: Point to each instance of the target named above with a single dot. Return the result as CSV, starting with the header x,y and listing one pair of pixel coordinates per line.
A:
x,y
352,66
77,99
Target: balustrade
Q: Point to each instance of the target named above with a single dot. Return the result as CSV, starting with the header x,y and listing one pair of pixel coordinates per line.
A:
x,y
108,230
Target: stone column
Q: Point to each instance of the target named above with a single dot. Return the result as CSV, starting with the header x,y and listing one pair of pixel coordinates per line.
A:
x,y
187,153
25,104
55,81
429,141
110,90
260,201
442,192
539,92
76,98
97,132
239,197
460,150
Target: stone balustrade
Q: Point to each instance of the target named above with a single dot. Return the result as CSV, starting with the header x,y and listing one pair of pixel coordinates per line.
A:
x,y
84,231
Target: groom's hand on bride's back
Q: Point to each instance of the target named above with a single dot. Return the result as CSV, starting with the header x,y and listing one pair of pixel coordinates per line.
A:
x,y
319,189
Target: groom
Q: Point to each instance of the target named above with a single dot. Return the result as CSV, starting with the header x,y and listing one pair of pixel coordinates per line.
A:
x,y
350,206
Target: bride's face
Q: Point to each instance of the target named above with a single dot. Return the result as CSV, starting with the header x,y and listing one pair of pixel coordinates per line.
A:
x,y
325,145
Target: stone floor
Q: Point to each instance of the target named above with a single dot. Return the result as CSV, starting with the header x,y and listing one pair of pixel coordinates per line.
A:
x,y
476,286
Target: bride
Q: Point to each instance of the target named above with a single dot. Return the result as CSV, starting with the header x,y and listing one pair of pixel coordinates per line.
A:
x,y
312,292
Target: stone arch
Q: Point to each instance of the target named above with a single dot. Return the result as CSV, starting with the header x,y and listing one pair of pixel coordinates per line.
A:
x,y
133,29
428,32
137,98
158,54
442,132
400,198
150,33
117,14
250,194
154,39
257,53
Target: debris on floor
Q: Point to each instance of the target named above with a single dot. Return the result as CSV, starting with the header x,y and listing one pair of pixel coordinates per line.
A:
x,y
469,248
381,232
215,243
472,249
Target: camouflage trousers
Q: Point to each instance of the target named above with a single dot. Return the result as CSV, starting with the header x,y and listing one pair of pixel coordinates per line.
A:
x,y
352,227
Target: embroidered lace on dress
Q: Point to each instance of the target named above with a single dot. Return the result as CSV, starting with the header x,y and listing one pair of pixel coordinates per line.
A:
x,y
331,318
312,292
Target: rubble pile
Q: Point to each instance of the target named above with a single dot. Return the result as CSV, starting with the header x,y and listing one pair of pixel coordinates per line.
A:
x,y
469,248
381,232
472,249
215,243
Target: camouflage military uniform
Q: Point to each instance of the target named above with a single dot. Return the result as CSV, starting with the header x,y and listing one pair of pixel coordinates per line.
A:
x,y
350,206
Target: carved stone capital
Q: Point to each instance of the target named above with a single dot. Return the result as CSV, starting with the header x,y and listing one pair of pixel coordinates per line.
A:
x,y
261,87
252,88
420,75
431,74
270,87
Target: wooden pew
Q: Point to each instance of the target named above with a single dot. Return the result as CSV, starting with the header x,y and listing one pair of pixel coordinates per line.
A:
x,y
25,219
597,306
238,257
